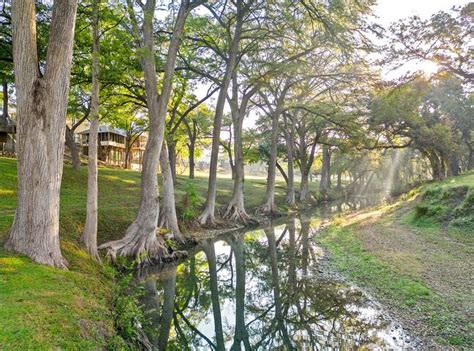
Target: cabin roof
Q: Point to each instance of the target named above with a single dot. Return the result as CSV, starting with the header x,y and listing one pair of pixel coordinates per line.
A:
x,y
107,129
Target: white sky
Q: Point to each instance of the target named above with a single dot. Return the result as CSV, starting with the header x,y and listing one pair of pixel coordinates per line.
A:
x,y
392,10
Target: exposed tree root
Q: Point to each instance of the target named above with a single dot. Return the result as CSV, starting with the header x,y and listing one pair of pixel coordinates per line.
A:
x,y
268,209
164,221
237,214
146,246
207,219
91,249
290,200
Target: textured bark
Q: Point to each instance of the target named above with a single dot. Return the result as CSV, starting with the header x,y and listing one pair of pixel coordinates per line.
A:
x,y
172,159
192,136
192,151
89,236
282,172
325,183
71,144
235,210
127,164
305,162
207,217
5,100
41,114
437,166
141,239
228,148
442,168
289,137
269,206
304,186
453,165
168,218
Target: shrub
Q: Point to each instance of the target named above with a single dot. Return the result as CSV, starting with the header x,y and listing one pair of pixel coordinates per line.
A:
x,y
190,203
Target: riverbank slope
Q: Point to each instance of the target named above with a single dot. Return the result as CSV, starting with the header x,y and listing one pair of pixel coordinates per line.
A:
x,y
46,308
416,256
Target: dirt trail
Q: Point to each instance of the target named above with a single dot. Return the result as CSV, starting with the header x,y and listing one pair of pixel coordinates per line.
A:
x,y
444,264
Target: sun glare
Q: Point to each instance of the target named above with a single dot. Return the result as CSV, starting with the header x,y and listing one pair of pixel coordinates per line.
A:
x,y
428,68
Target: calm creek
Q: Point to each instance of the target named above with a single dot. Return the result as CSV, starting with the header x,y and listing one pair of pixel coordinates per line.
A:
x,y
264,289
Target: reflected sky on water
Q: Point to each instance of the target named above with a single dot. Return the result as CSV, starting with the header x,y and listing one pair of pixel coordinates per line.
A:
x,y
263,289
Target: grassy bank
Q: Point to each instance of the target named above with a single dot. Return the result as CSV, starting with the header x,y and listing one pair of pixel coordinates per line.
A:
x,y
416,256
45,308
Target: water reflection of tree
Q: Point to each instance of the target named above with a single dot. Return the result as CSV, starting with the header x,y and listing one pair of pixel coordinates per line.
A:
x,y
271,279
193,300
159,304
240,335
216,310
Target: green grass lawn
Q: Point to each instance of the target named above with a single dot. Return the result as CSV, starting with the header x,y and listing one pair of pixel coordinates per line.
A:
x,y
416,257
45,308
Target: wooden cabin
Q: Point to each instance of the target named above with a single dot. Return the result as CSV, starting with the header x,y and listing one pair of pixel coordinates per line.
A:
x,y
7,135
113,144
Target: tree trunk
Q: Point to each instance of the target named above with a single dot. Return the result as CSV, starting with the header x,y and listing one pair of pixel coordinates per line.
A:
x,y
453,165
228,147
325,171
207,217
304,185
89,236
269,206
231,160
235,210
172,159
443,167
435,163
128,158
191,149
141,239
5,100
168,218
282,172
41,114
470,161
339,181
289,136
71,144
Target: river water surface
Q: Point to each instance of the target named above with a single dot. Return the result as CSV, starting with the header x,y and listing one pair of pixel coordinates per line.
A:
x,y
264,289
